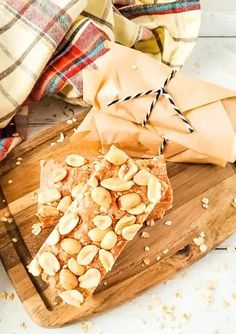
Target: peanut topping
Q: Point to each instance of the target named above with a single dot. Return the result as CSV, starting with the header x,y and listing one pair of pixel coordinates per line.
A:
x,y
67,223
71,246
72,297
93,182
123,222
67,280
49,195
90,279
127,172
109,240
101,197
53,237
137,210
75,267
129,232
59,174
46,210
142,177
129,201
64,204
116,156
107,259
102,222
87,254
116,184
75,160
34,267
154,190
76,191
96,234
49,263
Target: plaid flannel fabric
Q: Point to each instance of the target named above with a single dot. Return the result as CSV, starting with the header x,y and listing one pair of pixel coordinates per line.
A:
x,y
45,45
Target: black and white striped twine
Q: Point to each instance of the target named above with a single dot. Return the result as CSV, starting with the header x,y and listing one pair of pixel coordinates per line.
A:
x,y
158,92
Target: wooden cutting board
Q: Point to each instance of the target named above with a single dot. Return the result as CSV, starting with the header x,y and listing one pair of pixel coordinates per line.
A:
x,y
129,276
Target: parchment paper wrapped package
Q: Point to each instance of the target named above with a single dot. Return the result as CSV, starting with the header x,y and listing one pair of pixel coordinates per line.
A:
x,y
210,109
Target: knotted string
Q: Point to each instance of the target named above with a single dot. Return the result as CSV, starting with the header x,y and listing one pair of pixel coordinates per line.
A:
x,y
158,92
162,146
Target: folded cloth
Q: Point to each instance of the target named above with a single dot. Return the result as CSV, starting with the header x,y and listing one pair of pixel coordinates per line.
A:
x,y
46,44
208,108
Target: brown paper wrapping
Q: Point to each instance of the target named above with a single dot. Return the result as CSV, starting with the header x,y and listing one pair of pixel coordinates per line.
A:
x,y
210,109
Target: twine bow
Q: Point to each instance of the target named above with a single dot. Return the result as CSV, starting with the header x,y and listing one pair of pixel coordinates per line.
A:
x,y
158,92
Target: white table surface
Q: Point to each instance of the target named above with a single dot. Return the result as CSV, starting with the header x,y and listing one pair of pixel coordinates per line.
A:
x,y
208,288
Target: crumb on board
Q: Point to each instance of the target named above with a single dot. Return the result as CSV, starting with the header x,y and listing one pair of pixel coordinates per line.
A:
x,y
150,222
145,235
168,223
36,228
165,251
147,249
158,258
14,240
10,181
146,261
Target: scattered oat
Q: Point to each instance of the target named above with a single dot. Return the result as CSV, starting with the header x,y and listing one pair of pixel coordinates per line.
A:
x,y
202,234
165,251
10,296
158,258
203,248
52,144
178,294
146,261
168,223
14,239
147,249
234,295
74,120
4,219
145,235
86,326
150,307
205,206
36,228
105,283
197,64
19,159
10,181
134,67
187,315
22,325
231,249
211,285
69,121
61,138
18,163
3,295
225,304
4,201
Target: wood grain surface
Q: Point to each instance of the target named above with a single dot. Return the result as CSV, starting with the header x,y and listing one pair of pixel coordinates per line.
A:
x,y
129,276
